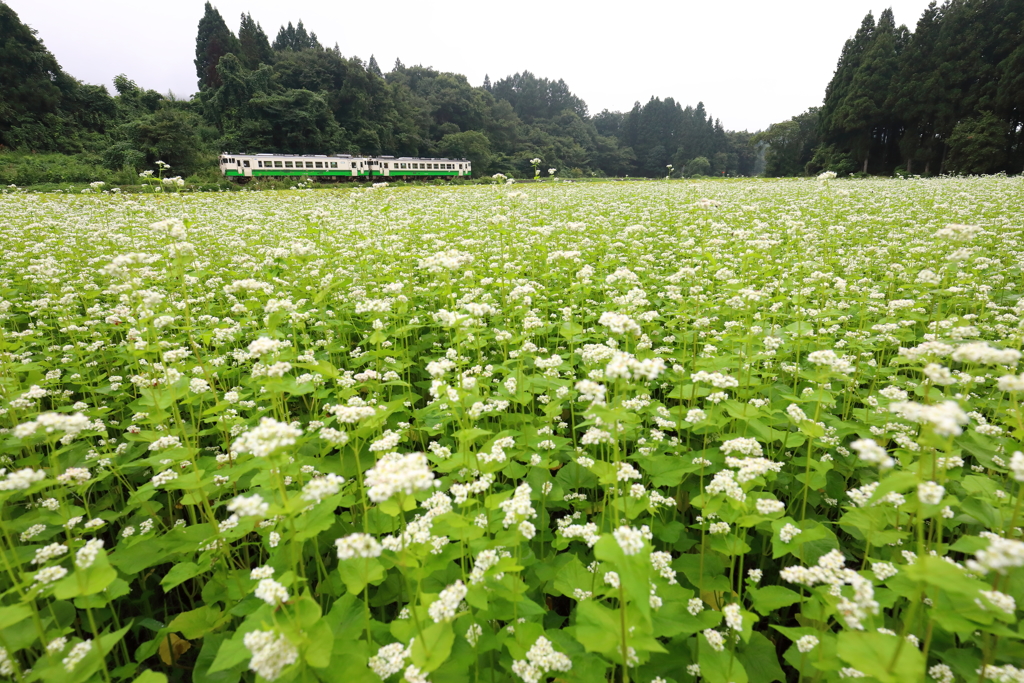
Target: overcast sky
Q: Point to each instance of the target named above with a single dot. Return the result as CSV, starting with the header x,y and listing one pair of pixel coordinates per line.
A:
x,y
751,62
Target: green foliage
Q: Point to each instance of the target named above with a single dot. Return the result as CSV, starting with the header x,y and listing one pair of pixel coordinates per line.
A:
x,y
253,45
23,169
978,145
698,166
295,39
681,457
897,98
791,144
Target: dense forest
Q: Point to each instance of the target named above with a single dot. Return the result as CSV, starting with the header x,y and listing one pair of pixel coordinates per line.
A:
x,y
947,98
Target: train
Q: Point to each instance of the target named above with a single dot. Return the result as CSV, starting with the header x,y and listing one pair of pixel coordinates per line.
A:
x,y
243,167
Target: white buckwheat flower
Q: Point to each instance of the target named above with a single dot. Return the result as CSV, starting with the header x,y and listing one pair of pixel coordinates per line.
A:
x,y
87,554
267,437
271,592
447,603
396,473
271,653
629,539
357,545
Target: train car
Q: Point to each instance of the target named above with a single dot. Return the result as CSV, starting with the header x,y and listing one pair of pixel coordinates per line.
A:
x,y
416,167
276,165
245,166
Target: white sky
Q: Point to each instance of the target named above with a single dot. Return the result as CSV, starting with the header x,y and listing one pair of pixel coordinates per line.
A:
x,y
752,62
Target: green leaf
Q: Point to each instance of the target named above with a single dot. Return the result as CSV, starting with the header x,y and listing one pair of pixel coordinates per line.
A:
x,y
320,518
634,572
89,581
607,473
320,645
358,572
141,555
720,667
598,628
196,623
713,577
571,574
895,481
729,545
151,677
231,653
770,598
207,655
667,470
937,572
889,659
568,330
471,434
982,511
429,652
178,574
760,661
13,614
347,617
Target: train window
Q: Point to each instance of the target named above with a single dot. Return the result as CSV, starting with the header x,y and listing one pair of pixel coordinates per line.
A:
x,y
319,164
385,164
309,164
334,164
246,163
277,164
353,164
460,167
288,164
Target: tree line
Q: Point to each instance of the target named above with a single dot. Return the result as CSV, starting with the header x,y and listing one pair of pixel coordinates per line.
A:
x,y
294,95
945,98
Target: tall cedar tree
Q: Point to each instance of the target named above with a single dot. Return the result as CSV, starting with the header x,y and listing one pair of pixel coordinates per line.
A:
x,y
914,97
862,114
295,39
374,68
254,46
213,41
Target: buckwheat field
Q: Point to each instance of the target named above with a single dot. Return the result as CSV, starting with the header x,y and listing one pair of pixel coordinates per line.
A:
x,y
740,432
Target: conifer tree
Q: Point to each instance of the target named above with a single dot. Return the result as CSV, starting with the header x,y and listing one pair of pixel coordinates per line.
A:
x,y
213,40
862,115
374,68
254,45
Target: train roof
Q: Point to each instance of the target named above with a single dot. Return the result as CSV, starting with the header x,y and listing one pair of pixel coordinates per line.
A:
x,y
423,159
340,156
293,156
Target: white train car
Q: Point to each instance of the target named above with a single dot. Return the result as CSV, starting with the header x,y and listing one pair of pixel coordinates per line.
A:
x,y
245,166
278,165
417,167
